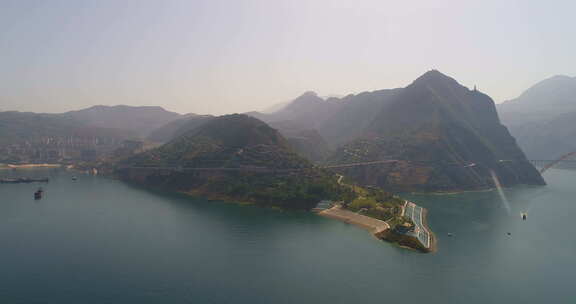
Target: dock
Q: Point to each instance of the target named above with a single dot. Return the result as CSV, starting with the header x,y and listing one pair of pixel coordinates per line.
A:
x,y
23,180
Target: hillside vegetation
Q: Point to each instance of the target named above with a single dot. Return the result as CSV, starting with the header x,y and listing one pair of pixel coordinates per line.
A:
x,y
268,171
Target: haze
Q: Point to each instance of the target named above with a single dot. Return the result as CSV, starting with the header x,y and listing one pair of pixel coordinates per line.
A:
x,y
215,57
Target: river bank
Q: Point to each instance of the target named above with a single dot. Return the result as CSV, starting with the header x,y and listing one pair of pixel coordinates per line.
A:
x,y
371,224
29,166
384,231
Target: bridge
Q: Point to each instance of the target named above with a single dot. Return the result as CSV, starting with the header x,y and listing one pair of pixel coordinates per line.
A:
x,y
545,164
566,158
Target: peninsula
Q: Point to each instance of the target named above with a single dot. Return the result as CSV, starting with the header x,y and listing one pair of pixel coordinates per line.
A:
x,y
386,216
239,158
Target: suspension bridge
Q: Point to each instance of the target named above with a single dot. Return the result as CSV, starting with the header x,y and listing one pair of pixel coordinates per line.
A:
x,y
566,158
544,164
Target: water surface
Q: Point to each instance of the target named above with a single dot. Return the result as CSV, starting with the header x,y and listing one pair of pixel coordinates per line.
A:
x,y
98,240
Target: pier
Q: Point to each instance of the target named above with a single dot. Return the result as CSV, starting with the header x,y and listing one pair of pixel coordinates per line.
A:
x,y
23,180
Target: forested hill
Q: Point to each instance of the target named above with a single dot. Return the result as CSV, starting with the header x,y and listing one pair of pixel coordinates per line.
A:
x,y
260,166
227,141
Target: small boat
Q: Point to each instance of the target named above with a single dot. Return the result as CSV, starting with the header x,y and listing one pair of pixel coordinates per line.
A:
x,y
38,194
74,178
524,215
21,180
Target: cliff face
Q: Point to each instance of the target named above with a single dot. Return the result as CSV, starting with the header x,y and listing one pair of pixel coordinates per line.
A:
x,y
445,138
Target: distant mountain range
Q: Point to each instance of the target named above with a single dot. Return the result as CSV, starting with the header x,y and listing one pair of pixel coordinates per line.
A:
x,y
444,136
337,120
121,121
441,135
137,120
18,127
543,118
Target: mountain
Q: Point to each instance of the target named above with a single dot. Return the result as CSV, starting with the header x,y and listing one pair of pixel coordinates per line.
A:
x,y
19,127
306,142
32,137
138,120
543,101
235,158
443,136
308,110
547,140
177,127
337,120
542,118
354,115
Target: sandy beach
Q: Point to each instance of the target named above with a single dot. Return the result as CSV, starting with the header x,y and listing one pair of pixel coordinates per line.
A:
x,y
369,223
27,166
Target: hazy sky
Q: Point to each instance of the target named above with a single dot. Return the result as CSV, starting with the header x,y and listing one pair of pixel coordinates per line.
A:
x,y
223,56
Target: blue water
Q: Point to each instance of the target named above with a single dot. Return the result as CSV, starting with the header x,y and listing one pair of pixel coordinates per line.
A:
x,y
98,240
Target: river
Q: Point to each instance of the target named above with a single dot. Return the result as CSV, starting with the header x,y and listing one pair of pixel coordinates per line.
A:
x,y
98,240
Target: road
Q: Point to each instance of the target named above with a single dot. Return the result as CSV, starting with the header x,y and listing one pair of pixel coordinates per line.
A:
x,y
265,169
362,164
259,169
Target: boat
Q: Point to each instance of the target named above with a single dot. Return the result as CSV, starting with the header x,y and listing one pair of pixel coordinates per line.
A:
x,y
21,180
524,215
74,178
38,194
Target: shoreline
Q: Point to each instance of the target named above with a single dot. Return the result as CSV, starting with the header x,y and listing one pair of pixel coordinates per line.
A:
x,y
375,226
433,239
381,229
27,166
